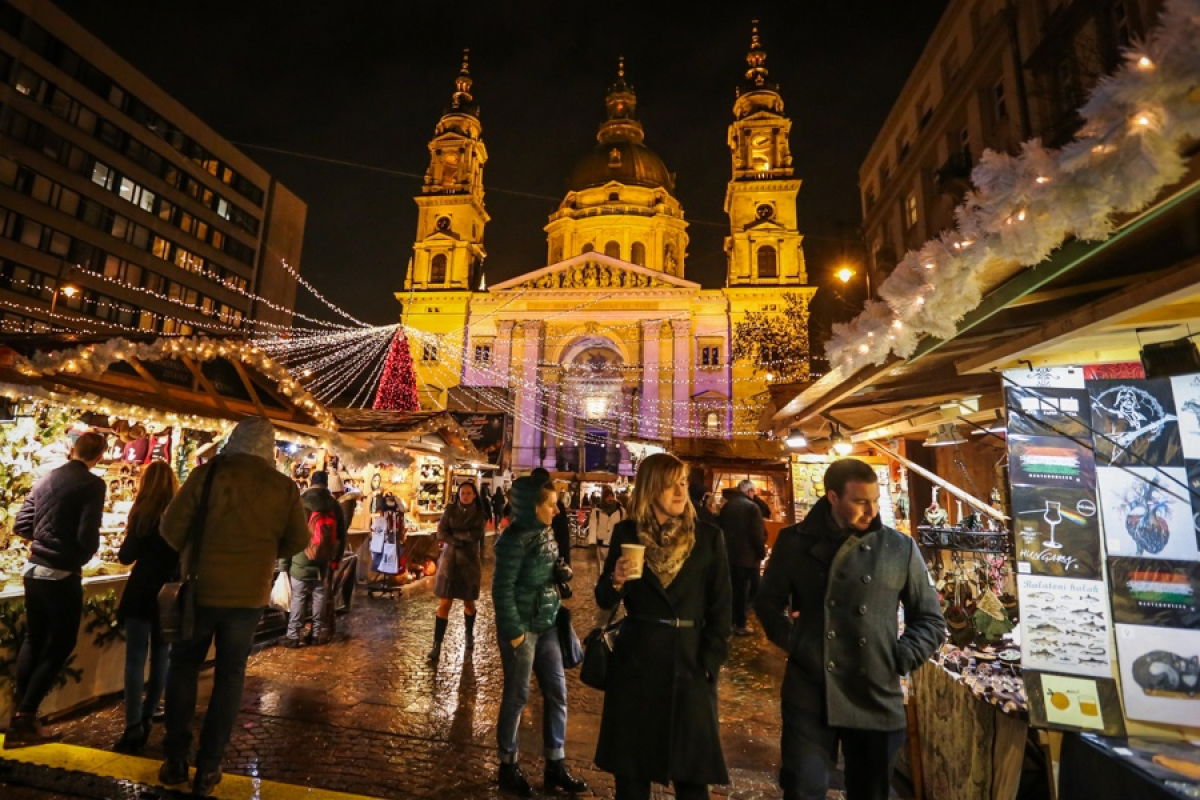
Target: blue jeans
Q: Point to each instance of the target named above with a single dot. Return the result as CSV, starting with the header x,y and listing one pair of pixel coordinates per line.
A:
x,y
233,630
142,639
541,654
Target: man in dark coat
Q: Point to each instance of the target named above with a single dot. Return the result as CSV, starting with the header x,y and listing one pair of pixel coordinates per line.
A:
x,y
746,543
61,518
829,599
752,493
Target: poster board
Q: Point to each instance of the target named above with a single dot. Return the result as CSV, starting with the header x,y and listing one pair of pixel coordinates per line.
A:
x,y
1104,468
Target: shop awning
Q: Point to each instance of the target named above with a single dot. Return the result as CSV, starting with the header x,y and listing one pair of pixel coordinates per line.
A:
x,y
1090,302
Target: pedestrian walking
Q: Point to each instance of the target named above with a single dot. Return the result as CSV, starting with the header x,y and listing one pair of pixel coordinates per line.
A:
x,y
561,525
499,504
752,493
604,517
839,630
311,570
526,604
746,544
460,566
660,701
253,516
154,563
61,518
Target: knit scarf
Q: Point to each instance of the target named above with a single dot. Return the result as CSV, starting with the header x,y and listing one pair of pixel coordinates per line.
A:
x,y
668,544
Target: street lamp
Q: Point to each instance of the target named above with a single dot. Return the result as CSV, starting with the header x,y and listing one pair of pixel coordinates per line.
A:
x,y
846,273
68,289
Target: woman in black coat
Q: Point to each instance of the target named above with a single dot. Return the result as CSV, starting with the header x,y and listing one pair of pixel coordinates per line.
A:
x,y
460,567
660,703
154,563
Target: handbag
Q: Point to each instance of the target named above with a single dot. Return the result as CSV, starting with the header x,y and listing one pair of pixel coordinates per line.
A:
x,y
177,599
568,642
598,649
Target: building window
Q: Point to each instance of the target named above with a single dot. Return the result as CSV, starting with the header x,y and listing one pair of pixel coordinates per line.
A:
x,y
923,120
483,354
712,422
710,356
999,104
768,266
587,248
637,254
612,249
437,269
885,172
902,148
429,351
910,209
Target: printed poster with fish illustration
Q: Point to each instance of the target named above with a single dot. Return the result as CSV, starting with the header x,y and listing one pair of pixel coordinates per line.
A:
x,y
1056,531
1064,626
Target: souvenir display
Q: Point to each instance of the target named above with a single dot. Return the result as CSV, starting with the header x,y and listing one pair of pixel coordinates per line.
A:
x,y
1160,673
1064,626
1135,423
1056,532
1147,512
1152,591
431,491
1048,411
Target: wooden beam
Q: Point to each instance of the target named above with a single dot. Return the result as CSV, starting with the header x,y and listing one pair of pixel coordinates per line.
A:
x,y
922,392
1078,289
928,419
205,382
249,384
821,395
966,497
1175,284
145,375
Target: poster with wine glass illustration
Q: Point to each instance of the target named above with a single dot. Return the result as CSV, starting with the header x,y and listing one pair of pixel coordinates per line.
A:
x,y
1048,411
1064,626
1050,461
1135,423
1160,673
1154,591
1056,531
1146,512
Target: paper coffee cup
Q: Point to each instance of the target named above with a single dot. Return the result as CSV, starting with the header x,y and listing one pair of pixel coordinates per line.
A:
x,y
635,555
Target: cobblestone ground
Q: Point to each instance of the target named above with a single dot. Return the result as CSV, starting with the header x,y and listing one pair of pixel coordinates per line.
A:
x,y
368,714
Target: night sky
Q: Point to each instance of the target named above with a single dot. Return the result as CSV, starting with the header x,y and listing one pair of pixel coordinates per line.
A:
x,y
365,82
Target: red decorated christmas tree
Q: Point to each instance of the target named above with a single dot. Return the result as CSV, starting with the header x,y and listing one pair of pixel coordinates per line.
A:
x,y
398,385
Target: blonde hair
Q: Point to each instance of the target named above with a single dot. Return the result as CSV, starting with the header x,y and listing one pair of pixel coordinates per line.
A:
x,y
654,476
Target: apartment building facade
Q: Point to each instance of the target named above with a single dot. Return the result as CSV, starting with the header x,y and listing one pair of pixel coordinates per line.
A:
x,y
994,74
119,208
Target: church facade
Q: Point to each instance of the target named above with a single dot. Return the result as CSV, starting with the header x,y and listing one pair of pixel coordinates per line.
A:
x,y
609,341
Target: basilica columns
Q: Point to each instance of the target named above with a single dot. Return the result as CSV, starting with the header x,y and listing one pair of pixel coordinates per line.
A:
x,y
502,358
555,416
681,377
650,379
528,397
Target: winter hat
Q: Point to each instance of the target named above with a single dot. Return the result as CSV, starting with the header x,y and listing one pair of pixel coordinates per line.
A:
x,y
524,497
320,478
253,436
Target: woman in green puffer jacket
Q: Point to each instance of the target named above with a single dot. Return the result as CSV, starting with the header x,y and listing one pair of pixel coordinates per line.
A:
x,y
526,603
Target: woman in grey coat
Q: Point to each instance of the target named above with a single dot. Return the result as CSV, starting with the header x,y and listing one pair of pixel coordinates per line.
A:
x,y
460,568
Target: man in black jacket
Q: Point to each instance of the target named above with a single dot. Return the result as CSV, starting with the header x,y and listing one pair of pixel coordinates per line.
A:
x,y
746,544
61,517
829,598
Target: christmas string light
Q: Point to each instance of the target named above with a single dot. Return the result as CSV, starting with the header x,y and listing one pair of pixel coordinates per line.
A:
x,y
366,391
313,290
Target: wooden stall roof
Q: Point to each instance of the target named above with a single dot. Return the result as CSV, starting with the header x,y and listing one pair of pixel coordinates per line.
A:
x,y
399,426
1089,302
220,386
742,452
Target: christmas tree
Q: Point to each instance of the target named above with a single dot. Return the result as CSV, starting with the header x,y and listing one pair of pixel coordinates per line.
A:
x,y
398,385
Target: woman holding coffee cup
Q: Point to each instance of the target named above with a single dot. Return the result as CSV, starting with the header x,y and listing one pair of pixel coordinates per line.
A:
x,y
660,700
526,602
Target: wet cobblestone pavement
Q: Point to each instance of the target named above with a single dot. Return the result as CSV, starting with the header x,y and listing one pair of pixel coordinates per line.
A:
x,y
368,714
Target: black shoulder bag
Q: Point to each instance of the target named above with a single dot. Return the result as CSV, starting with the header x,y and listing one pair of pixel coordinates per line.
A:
x,y
177,599
598,649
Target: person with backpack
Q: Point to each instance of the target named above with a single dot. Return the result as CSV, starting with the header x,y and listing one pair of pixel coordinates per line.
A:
x,y
311,570
154,563
460,567
251,516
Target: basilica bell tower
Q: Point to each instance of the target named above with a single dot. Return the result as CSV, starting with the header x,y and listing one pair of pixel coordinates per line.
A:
x,y
448,252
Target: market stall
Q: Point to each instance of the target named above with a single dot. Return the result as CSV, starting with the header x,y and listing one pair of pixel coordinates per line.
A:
x,y
172,399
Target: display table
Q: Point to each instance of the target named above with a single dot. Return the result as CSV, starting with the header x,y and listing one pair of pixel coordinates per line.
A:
x,y
970,749
97,666
1099,766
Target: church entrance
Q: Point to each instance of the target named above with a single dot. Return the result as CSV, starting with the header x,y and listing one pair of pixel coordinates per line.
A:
x,y
595,452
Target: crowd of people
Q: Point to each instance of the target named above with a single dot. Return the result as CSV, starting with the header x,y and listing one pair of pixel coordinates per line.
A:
x,y
683,565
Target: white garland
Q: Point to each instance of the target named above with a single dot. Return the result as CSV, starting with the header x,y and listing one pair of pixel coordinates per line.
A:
x,y
1023,207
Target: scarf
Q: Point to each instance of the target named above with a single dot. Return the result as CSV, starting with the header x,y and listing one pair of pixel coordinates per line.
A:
x,y
668,544
609,508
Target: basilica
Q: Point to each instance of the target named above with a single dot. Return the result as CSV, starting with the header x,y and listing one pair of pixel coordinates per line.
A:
x,y
609,342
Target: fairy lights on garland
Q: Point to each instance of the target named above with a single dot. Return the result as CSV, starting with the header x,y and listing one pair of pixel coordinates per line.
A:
x,y
1023,207
398,384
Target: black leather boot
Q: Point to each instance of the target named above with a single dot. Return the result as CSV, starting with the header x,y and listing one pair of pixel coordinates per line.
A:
x,y
556,776
512,780
469,620
439,633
